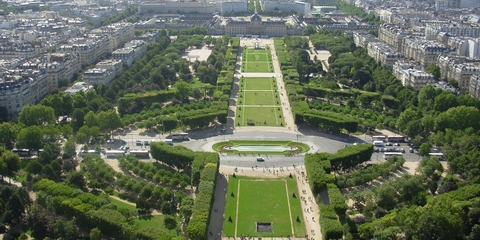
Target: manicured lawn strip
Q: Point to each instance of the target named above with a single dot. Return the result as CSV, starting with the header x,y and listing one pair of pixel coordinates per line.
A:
x,y
262,67
156,221
231,207
259,98
260,115
258,84
122,204
257,60
263,201
296,207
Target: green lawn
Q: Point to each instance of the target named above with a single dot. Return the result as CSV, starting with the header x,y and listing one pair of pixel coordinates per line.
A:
x,y
262,93
257,60
259,98
262,200
260,116
250,83
156,221
122,204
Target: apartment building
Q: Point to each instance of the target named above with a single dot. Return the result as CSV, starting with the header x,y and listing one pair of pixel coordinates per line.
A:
x,y
126,55
89,49
417,78
59,66
463,73
17,50
139,48
22,87
446,62
115,66
119,33
393,35
400,66
452,29
383,53
361,39
98,76
474,88
422,51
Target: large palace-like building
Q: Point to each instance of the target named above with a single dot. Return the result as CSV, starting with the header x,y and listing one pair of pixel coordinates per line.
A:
x,y
262,28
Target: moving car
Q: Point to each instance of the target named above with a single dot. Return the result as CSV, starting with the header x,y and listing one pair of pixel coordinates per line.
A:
x,y
260,159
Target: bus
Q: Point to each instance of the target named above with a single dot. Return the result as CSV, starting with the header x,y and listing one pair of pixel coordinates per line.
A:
x,y
391,154
114,153
179,136
396,138
379,138
140,153
440,156
23,153
91,152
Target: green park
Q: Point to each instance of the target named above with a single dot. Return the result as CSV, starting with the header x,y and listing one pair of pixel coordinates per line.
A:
x,y
263,208
258,103
257,60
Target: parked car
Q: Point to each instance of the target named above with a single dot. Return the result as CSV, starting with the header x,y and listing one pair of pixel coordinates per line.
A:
x,y
411,150
146,143
388,144
396,144
138,143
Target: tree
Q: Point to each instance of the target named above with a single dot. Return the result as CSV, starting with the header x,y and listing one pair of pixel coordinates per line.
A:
x,y
424,149
37,115
445,101
90,120
8,134
434,70
34,167
77,119
183,89
76,179
30,138
386,197
95,234
12,163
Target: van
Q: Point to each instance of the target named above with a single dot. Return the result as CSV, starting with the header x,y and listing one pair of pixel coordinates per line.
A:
x,y
378,143
260,159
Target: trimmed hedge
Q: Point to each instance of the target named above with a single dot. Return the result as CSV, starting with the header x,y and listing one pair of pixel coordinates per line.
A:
x,y
331,227
178,156
337,201
207,164
317,166
351,156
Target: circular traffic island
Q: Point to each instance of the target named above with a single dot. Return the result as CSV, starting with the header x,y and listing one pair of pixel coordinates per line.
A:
x,y
261,147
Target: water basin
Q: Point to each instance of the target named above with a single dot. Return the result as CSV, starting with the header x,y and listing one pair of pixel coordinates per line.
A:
x,y
261,148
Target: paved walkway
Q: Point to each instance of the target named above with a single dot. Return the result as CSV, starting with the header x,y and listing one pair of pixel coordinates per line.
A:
x,y
310,208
